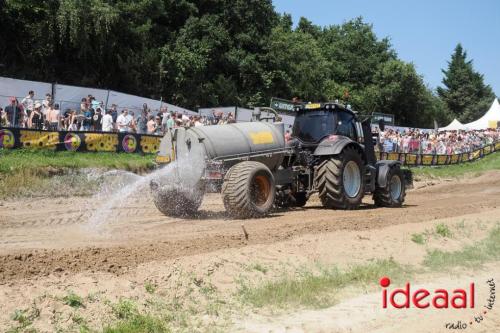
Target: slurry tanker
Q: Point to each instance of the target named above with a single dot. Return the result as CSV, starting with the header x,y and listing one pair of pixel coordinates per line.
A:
x,y
330,153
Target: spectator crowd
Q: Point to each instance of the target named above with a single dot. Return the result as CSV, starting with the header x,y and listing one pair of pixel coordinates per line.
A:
x,y
92,115
435,142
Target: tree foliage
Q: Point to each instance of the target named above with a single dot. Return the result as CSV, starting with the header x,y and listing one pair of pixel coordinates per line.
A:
x,y
210,52
465,93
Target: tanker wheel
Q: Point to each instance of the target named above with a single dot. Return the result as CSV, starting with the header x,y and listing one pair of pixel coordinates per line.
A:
x,y
248,190
340,180
393,194
176,203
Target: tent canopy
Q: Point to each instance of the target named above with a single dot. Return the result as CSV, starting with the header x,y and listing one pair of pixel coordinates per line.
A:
x,y
455,125
489,120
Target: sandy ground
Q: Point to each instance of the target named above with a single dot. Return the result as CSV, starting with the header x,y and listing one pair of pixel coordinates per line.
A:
x,y
49,246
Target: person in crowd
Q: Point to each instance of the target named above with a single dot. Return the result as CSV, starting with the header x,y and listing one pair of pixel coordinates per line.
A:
x,y
197,121
15,114
288,136
114,112
73,121
142,122
151,125
87,120
3,118
65,119
107,122
28,103
46,104
133,123
53,117
97,120
164,115
170,122
157,130
36,119
84,105
230,118
123,121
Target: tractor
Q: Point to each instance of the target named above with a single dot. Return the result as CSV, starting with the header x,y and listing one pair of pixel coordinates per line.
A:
x,y
330,153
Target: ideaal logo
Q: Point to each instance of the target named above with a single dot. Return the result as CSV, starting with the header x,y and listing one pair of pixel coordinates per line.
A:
x,y
404,298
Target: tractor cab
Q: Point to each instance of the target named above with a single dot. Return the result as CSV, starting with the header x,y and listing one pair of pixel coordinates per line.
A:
x,y
315,122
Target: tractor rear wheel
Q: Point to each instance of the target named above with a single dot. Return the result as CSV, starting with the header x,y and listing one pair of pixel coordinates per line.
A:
x,y
248,190
340,180
393,194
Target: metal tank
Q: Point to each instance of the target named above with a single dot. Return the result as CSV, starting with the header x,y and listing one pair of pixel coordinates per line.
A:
x,y
229,143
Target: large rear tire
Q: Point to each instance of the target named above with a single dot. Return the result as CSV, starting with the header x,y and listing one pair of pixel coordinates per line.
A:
x,y
393,194
178,203
248,190
340,180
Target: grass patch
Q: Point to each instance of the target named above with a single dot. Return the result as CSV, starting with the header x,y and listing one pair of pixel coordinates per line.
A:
x,y
73,300
259,267
24,319
47,173
150,287
470,256
418,238
138,324
125,309
318,290
490,162
443,230
23,159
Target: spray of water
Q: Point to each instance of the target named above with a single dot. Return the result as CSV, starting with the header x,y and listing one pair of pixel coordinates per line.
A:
x,y
118,186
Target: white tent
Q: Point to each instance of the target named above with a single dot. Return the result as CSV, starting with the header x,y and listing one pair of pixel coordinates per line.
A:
x,y
455,125
489,120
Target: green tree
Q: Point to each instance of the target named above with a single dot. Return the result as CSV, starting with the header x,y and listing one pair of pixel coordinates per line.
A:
x,y
464,92
398,89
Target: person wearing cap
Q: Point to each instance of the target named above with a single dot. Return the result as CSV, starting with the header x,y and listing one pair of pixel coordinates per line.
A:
x,y
36,117
14,113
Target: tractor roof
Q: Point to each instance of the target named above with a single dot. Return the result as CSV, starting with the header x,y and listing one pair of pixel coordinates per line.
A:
x,y
330,106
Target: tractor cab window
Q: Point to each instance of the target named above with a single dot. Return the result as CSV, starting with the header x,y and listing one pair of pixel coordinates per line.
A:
x,y
345,125
312,126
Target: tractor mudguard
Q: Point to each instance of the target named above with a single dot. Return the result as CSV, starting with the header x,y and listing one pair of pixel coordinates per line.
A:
x,y
383,167
333,145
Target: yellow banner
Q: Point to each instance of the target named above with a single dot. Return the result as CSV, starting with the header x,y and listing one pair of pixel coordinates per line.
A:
x,y
427,159
150,144
411,159
39,139
476,154
101,142
393,156
454,158
441,159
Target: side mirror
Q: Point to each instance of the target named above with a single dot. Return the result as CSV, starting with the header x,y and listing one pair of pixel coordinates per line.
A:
x,y
381,124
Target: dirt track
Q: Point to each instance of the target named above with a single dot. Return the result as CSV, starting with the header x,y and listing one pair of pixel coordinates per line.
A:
x,y
53,236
